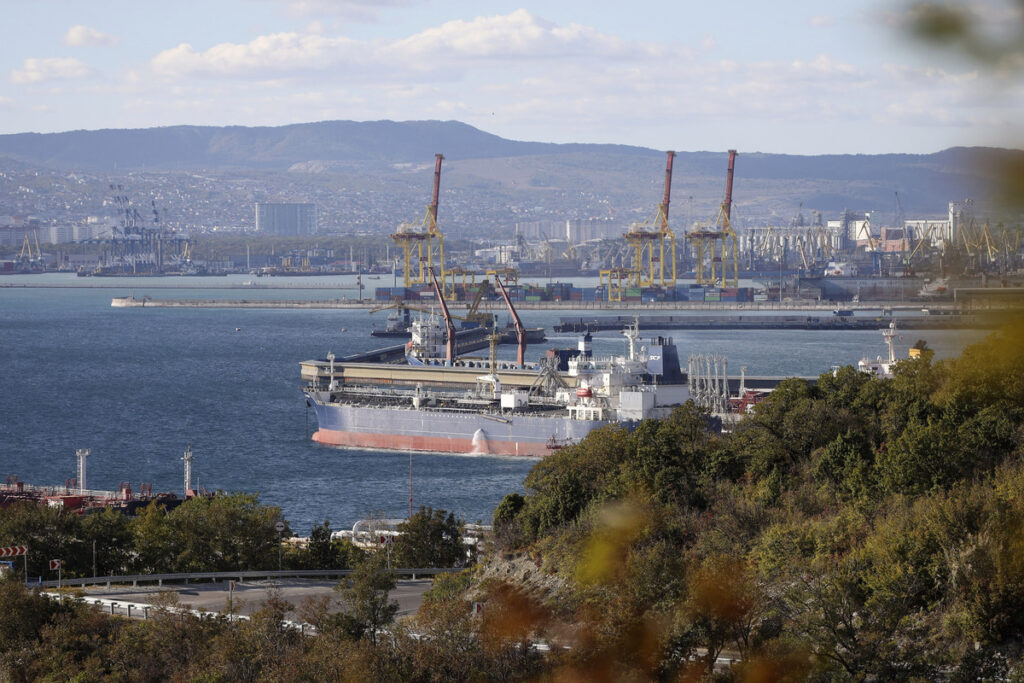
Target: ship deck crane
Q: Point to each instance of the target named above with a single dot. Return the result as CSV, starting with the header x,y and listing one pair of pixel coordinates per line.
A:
x,y
424,239
520,329
449,326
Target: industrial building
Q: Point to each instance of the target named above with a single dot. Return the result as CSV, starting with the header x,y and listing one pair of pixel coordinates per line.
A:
x,y
286,219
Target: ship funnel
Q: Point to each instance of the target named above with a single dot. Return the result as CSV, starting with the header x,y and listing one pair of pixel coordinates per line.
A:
x,y
584,346
480,446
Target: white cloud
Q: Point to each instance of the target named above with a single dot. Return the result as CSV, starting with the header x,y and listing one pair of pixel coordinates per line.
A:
x,y
262,57
41,70
84,36
821,21
519,36
6,102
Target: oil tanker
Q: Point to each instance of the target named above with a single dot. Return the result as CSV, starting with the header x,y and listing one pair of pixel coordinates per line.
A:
x,y
489,407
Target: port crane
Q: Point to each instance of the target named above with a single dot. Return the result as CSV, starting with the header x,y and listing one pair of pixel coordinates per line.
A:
x,y
424,239
30,258
643,236
706,239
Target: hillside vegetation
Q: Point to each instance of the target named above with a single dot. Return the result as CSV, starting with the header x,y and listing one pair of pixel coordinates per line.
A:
x,y
858,528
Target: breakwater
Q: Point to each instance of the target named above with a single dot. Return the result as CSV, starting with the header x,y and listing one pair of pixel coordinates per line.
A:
x,y
763,306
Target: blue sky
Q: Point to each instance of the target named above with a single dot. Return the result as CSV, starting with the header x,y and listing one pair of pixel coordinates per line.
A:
x,y
784,76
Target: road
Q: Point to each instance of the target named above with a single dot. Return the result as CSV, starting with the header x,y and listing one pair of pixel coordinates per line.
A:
x,y
249,596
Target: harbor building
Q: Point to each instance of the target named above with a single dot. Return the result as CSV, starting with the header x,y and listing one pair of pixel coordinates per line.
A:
x,y
286,219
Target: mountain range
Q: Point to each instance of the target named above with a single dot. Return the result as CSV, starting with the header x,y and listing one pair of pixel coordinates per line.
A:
x,y
767,186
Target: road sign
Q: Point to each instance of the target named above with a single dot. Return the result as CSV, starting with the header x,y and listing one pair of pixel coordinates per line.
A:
x,y
279,526
54,565
14,551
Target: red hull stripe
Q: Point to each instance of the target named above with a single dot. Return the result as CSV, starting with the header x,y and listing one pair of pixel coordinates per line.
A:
x,y
433,444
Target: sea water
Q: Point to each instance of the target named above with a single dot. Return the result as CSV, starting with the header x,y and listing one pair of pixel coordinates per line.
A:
x,y
138,385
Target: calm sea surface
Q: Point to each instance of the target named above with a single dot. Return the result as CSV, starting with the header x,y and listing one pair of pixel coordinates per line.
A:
x,y
137,385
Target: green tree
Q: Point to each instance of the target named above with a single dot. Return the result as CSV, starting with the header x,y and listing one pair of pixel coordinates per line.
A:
x,y
430,538
365,597
322,552
225,532
25,614
847,463
156,544
564,483
50,533
109,533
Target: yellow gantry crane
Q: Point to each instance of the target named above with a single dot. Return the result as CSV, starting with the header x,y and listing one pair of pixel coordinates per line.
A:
x,y
712,244
644,236
424,240
27,254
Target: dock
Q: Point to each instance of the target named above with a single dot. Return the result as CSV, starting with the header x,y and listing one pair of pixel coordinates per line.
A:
x,y
772,322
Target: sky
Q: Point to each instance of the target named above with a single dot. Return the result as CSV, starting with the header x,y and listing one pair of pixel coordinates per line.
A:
x,y
787,76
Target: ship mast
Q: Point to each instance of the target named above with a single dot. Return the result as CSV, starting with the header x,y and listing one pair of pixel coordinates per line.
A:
x,y
187,458
82,454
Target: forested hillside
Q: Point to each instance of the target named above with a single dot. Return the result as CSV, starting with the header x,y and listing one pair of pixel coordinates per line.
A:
x,y
859,528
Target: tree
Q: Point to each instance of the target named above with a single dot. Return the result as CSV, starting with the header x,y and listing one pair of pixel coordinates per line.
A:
x,y
50,533
429,538
322,552
25,614
156,544
365,598
226,532
109,532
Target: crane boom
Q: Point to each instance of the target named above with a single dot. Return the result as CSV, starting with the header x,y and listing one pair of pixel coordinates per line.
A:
x,y
668,191
520,330
438,158
449,326
727,204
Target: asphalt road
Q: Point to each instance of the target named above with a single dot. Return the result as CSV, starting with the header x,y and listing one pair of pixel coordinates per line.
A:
x,y
247,597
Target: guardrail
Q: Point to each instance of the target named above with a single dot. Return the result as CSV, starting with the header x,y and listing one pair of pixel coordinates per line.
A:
x,y
142,610
136,579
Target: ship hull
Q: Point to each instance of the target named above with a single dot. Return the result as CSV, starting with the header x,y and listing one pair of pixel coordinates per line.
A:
x,y
438,431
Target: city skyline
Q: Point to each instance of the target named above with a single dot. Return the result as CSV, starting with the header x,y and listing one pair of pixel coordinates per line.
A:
x,y
793,77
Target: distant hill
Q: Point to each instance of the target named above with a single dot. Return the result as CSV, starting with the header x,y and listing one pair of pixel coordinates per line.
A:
x,y
492,170
209,147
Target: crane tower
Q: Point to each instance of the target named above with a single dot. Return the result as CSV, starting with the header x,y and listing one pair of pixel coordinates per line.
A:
x,y
647,240
712,243
424,240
